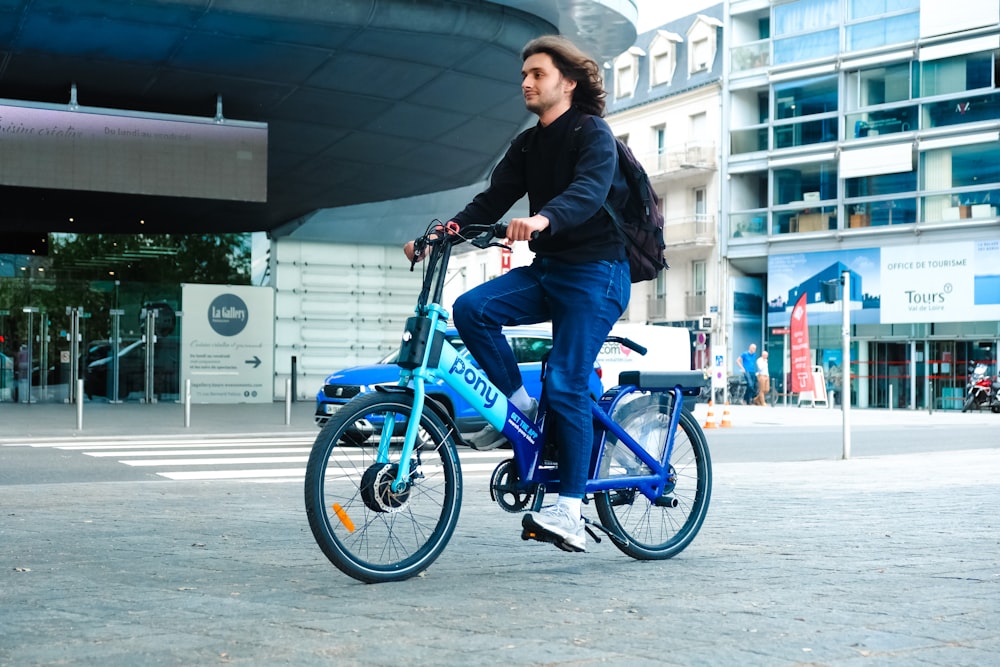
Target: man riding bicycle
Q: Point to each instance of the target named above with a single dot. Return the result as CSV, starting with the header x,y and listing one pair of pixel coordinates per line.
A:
x,y
567,164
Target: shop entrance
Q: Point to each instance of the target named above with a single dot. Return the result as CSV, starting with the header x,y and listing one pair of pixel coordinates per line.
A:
x,y
919,374
885,378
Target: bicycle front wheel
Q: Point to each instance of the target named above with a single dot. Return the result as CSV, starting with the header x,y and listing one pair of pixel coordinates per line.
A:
x,y
662,529
366,528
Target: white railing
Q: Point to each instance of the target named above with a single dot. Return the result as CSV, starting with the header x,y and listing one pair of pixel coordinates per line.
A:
x,y
692,229
695,304
693,155
656,307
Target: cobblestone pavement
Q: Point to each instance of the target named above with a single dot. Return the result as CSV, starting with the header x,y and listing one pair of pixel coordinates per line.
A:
x,y
888,560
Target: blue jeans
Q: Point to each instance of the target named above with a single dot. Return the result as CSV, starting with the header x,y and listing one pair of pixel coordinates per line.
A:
x,y
751,391
583,301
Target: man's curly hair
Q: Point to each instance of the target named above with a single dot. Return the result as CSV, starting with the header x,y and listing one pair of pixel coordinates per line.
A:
x,y
573,64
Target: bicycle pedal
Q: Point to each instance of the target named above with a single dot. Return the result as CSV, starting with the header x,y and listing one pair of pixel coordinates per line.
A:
x,y
541,535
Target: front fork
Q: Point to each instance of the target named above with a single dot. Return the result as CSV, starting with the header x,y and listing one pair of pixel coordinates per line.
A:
x,y
419,351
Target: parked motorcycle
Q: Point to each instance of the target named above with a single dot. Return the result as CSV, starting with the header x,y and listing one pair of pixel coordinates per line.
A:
x,y
995,398
979,390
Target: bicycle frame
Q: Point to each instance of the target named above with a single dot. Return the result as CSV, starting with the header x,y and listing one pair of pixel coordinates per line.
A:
x,y
425,356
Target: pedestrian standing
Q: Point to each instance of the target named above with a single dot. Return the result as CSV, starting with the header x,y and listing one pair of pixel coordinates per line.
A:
x,y
763,379
747,363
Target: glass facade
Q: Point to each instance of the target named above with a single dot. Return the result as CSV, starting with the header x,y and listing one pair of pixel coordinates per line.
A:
x,y
848,128
119,296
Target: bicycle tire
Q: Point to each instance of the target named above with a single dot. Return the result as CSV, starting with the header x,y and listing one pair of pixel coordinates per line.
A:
x,y
363,528
644,530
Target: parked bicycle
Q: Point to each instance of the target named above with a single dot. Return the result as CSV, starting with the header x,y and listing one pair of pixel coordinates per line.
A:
x,y
383,484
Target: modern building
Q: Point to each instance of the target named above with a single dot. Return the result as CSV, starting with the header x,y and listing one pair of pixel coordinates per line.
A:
x,y
828,137
865,135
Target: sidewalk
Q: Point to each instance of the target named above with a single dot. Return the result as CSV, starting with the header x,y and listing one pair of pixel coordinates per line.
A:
x,y
48,420
873,561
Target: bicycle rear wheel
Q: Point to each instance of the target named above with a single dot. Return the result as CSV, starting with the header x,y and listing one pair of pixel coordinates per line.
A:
x,y
366,529
660,530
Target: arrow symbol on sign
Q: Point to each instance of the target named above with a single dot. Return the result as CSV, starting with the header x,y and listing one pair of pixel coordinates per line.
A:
x,y
255,361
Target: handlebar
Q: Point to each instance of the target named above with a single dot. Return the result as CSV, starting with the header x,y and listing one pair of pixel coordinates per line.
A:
x,y
629,343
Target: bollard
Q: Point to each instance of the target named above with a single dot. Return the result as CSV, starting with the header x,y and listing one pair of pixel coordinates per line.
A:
x,y
187,403
79,405
288,401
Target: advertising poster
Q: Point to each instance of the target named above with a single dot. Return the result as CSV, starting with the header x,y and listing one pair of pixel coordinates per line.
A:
x,y
938,282
802,367
945,282
227,343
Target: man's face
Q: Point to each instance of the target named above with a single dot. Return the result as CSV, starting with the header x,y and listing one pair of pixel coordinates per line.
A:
x,y
543,85
753,348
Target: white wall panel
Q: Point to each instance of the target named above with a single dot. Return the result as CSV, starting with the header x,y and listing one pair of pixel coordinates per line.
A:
x,y
337,306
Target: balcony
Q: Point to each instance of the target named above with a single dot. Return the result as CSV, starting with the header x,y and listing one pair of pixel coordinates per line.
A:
x,y
694,304
683,159
656,307
750,57
692,230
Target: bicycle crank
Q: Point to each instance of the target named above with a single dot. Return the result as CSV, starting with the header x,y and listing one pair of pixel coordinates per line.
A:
x,y
505,489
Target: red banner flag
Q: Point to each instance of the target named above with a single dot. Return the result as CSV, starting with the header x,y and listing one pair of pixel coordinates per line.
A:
x,y
802,377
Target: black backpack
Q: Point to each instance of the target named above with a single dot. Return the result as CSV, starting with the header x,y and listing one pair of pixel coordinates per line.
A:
x,y
641,219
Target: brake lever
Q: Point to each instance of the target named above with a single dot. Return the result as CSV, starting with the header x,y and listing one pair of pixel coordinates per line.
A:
x,y
419,245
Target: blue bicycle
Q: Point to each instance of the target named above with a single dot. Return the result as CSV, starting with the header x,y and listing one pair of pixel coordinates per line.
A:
x,y
383,484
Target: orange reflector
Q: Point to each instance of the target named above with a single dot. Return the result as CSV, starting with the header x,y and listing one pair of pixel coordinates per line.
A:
x,y
344,519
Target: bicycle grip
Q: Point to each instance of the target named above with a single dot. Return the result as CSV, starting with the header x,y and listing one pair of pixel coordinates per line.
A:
x,y
500,231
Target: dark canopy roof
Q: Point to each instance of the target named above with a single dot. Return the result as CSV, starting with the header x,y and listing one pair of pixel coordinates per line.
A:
x,y
366,100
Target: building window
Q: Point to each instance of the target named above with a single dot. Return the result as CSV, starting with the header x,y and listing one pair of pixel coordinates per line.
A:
x,y
663,57
801,30
627,72
957,75
961,182
876,200
703,39
879,90
700,53
663,67
700,205
696,305
660,137
807,97
806,195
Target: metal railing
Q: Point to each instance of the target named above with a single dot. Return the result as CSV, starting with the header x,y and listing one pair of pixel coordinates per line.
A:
x,y
689,156
695,304
699,229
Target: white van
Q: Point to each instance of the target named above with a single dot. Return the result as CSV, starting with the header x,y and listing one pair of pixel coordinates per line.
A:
x,y
669,349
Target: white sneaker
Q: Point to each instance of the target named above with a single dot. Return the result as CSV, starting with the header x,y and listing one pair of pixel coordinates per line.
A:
x,y
489,438
486,439
556,522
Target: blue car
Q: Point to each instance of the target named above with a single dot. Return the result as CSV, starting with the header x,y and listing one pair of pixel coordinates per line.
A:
x,y
530,344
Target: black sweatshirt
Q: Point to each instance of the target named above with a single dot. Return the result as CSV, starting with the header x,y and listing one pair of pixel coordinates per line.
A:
x,y
567,169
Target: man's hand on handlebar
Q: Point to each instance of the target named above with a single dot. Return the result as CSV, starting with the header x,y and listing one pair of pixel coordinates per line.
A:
x,y
416,250
526,229
411,252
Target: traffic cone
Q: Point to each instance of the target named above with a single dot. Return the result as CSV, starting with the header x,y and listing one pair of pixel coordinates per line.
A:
x,y
710,420
725,417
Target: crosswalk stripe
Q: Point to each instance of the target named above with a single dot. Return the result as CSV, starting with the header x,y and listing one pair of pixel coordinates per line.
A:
x,y
198,452
253,458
